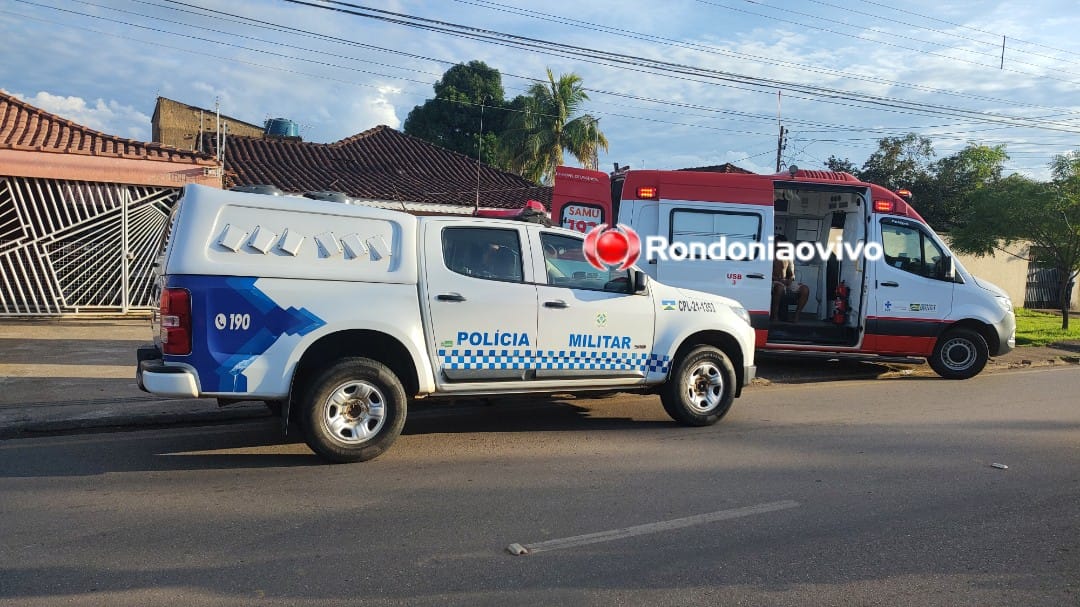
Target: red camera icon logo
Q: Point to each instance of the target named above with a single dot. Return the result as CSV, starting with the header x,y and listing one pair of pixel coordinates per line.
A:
x,y
605,247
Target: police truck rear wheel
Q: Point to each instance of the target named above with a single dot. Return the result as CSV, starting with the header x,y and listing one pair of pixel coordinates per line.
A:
x,y
353,411
959,354
701,388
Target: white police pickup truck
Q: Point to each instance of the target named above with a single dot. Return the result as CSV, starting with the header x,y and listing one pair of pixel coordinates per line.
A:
x,y
344,313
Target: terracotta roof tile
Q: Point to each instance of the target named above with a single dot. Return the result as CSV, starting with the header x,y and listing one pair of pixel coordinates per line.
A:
x,y
381,163
25,127
727,167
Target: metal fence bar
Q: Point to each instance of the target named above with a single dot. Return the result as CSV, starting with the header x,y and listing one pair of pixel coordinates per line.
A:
x,y
68,247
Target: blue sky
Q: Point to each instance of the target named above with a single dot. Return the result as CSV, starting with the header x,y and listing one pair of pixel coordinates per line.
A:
x,y
106,72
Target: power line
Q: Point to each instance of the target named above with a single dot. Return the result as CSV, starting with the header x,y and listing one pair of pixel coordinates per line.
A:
x,y
967,27
666,68
995,43
883,42
635,35
156,43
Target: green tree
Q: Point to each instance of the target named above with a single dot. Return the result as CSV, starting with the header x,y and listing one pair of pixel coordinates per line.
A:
x,y
899,162
549,125
842,166
944,194
1046,214
467,95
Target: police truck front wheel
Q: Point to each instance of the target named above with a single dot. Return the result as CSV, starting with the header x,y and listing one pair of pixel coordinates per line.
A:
x,y
959,354
353,411
701,388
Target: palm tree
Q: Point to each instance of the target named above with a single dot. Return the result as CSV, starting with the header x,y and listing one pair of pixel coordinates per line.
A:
x,y
545,127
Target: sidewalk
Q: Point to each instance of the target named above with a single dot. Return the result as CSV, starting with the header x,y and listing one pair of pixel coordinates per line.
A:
x,y
77,375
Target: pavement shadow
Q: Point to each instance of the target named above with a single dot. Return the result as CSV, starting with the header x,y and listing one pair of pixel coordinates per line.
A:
x,y
259,443
249,445
801,368
523,414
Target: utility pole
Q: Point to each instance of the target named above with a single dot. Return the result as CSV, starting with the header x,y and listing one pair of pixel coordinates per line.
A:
x,y
781,140
596,145
781,145
479,151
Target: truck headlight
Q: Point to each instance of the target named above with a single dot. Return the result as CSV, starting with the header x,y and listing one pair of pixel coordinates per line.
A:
x,y
741,313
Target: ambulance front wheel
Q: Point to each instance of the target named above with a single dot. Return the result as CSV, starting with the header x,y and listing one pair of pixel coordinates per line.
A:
x,y
959,354
353,411
701,388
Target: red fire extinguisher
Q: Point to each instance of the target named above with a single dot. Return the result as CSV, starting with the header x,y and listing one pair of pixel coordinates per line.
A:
x,y
840,304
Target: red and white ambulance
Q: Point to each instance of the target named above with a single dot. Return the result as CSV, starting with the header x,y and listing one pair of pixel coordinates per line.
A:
x,y
914,300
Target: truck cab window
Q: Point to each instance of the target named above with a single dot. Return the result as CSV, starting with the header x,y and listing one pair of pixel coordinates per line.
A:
x,y
488,253
911,250
566,266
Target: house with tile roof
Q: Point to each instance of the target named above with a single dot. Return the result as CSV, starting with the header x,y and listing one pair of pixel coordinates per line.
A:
x,y
382,166
82,213
727,167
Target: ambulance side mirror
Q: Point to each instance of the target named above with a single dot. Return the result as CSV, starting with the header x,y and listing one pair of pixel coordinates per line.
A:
x,y
951,273
639,279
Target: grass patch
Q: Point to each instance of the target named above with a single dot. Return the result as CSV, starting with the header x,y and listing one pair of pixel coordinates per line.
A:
x,y
1042,329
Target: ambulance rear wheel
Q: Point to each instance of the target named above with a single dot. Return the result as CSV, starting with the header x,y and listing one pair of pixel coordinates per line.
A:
x,y
959,354
353,411
701,388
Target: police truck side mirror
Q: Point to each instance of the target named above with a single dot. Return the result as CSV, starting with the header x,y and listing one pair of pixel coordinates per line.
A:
x,y
639,280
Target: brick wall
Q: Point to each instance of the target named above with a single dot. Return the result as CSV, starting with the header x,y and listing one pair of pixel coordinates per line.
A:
x,y
177,124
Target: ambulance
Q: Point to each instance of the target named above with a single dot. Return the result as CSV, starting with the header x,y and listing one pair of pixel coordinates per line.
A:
x,y
911,299
344,314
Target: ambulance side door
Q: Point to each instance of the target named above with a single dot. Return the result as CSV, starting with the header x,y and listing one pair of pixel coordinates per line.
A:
x,y
911,293
748,280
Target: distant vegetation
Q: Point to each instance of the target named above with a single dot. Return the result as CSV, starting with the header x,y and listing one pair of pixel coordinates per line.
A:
x,y
965,195
527,135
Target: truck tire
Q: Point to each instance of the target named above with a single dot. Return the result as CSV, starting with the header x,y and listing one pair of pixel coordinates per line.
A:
x,y
959,354
701,388
353,411
276,407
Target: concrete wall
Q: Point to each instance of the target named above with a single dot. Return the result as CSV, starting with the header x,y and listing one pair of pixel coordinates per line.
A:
x,y
1009,270
177,124
1004,270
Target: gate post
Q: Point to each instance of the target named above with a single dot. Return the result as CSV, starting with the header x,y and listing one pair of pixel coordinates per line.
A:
x,y
125,256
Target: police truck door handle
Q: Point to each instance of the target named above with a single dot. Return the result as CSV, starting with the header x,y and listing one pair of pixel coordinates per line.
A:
x,y
450,297
558,303
890,283
757,276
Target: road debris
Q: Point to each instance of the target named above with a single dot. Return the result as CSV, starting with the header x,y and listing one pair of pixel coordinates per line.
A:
x,y
999,466
517,549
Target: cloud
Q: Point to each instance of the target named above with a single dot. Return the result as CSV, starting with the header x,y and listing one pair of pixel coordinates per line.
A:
x,y
369,110
110,117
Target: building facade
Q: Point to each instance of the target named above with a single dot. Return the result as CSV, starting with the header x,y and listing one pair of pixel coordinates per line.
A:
x,y
82,213
179,124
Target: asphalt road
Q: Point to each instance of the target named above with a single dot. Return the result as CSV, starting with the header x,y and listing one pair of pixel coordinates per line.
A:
x,y
863,492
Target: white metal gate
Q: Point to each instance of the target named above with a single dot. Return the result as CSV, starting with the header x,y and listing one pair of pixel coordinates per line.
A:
x,y
69,247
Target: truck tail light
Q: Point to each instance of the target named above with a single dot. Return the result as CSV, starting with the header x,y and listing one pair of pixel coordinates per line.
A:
x,y
176,321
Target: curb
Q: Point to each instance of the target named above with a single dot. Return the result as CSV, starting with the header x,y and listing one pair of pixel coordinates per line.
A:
x,y
24,429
